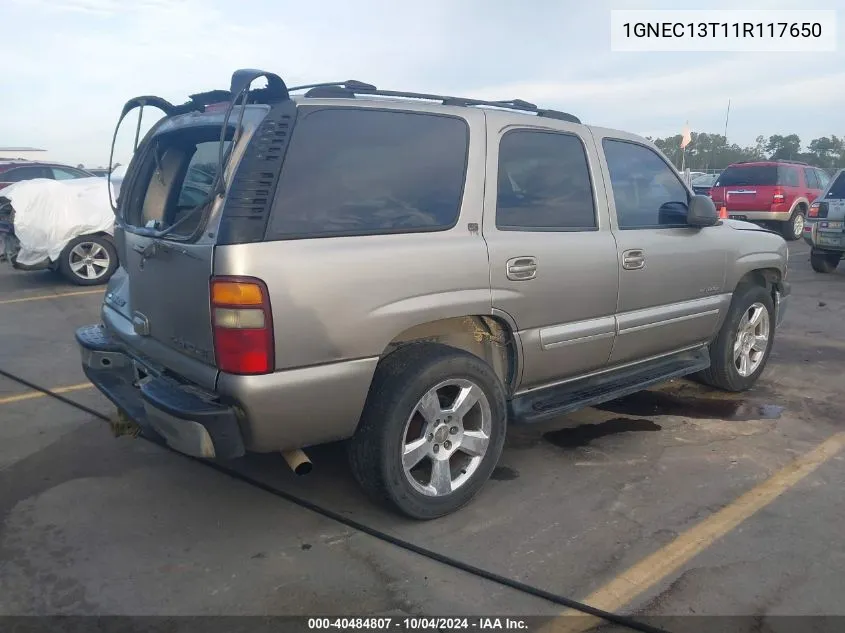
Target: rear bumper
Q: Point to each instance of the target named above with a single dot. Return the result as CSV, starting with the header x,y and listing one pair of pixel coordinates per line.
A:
x,y
825,239
759,216
189,421
288,409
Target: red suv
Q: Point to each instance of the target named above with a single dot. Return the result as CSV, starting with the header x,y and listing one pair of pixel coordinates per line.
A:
x,y
774,192
12,171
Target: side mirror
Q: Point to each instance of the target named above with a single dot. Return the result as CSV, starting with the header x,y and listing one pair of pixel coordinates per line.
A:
x,y
702,212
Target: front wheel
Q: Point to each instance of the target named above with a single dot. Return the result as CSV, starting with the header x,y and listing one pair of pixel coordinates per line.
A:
x,y
824,262
793,228
88,260
432,430
741,350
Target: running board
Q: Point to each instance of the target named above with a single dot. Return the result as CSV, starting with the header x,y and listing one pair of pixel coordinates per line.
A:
x,y
551,402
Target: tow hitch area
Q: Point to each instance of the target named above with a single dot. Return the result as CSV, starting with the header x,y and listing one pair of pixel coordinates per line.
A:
x,y
121,424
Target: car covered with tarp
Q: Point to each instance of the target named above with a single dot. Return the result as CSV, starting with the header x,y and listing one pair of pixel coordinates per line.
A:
x,y
63,225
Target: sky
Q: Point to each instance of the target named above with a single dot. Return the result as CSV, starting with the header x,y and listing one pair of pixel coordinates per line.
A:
x,y
69,65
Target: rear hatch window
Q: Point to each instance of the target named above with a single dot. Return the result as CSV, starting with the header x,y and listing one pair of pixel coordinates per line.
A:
x,y
742,176
178,170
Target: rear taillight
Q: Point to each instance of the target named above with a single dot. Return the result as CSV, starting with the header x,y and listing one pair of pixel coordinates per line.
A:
x,y
818,210
243,325
778,197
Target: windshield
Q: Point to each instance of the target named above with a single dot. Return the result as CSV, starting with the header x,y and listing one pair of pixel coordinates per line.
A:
x,y
763,175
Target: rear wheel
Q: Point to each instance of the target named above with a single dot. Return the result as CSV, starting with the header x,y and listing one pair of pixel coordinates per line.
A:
x,y
823,262
793,228
741,350
88,260
431,432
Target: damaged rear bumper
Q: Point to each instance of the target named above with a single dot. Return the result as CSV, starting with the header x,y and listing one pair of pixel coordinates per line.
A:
x,y
188,420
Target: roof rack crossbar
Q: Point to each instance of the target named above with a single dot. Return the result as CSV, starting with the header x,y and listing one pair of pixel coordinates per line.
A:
x,y
352,87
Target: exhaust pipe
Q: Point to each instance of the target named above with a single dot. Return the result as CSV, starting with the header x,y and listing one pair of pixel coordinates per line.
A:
x,y
298,461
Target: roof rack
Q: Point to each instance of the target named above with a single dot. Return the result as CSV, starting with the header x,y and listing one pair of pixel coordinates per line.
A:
x,y
350,88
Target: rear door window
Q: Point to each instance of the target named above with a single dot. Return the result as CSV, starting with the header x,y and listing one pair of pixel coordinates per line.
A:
x,y
24,173
811,178
544,183
744,176
63,173
351,171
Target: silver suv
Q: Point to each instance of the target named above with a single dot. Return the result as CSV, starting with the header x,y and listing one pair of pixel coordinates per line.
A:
x,y
825,228
410,273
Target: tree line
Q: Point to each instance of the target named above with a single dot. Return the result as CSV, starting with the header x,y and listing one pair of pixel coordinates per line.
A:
x,y
712,151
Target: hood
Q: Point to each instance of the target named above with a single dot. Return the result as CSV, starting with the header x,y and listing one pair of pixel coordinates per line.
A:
x,y
742,225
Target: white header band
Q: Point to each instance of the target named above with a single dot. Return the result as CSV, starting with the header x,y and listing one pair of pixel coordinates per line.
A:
x,y
719,30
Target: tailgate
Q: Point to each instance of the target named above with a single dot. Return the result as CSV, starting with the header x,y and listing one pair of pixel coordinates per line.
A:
x,y
748,198
167,286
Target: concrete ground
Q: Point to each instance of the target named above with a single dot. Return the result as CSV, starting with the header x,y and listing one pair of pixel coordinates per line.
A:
x,y
647,494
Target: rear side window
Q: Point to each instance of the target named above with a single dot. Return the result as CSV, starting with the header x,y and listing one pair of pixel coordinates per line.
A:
x,y
741,176
823,178
788,177
647,192
544,183
363,171
812,180
837,189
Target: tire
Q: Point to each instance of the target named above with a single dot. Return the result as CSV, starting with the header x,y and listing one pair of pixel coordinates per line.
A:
x,y
793,228
724,372
391,420
103,261
824,262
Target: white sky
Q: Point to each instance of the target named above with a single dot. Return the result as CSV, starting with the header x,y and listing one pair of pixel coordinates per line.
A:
x,y
71,64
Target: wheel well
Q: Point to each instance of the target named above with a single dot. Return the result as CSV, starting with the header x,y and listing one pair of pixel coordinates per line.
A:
x,y
767,278
487,337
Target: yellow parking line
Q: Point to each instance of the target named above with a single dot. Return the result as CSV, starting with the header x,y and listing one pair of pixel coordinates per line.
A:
x,y
55,296
648,572
38,394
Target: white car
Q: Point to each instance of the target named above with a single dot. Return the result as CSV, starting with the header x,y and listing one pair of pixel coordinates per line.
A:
x,y
64,225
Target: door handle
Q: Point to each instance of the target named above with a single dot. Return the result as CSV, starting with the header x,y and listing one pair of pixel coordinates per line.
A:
x,y
633,259
521,268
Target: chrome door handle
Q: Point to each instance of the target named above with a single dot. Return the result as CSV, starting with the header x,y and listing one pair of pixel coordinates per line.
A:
x,y
521,268
633,259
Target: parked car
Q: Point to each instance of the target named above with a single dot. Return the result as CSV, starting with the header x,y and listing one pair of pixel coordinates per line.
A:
x,y
777,194
703,184
63,225
352,275
825,228
12,171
